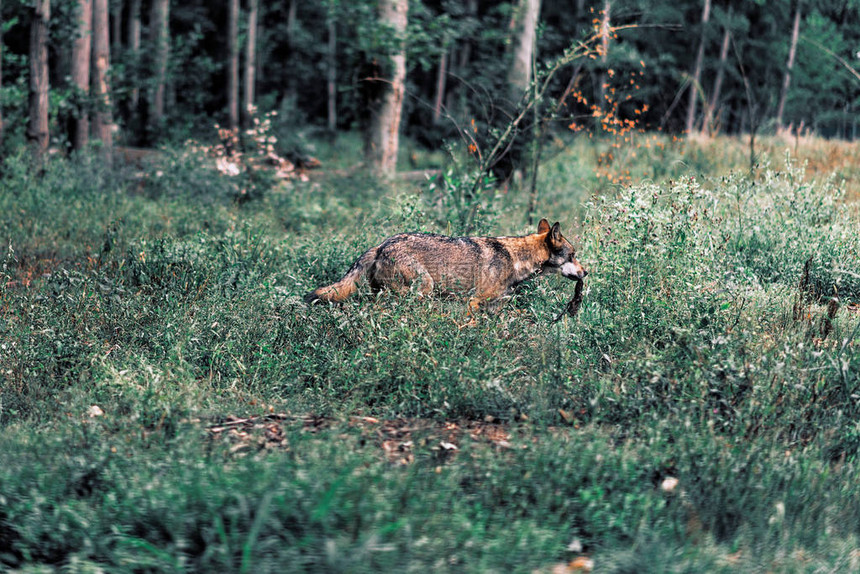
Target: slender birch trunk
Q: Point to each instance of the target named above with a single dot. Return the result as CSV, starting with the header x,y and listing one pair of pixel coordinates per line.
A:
x,y
250,61
331,71
37,127
1,70
102,120
789,66
707,125
116,27
159,31
384,133
81,54
605,33
520,72
233,65
290,88
133,39
460,57
441,78
697,70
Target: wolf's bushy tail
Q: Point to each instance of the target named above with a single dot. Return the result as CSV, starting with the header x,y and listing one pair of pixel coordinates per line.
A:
x,y
348,285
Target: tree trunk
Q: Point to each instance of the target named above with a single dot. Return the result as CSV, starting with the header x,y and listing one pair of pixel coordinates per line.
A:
x,y
707,125
1,70
81,54
461,57
520,72
441,78
133,39
697,70
290,38
250,60
159,30
331,71
102,121
795,33
383,139
37,127
605,33
233,65
116,26
291,22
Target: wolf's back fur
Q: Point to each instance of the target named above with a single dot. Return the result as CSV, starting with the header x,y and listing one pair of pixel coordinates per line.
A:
x,y
484,267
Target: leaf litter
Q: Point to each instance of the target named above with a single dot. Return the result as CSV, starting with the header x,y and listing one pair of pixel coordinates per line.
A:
x,y
398,440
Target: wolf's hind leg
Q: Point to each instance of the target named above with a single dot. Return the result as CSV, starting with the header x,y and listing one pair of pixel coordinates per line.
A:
x,y
399,276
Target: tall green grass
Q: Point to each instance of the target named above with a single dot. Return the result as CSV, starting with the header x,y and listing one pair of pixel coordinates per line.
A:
x,y
704,351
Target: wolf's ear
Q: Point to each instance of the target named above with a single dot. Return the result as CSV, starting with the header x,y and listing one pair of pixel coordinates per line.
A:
x,y
555,234
543,226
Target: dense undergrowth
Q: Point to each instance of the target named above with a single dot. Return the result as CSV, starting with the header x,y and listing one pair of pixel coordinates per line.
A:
x,y
709,349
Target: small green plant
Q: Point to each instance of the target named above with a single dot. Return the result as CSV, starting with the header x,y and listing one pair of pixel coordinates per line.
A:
x,y
460,205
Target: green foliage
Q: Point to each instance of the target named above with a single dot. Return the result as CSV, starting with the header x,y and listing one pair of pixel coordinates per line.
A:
x,y
293,58
329,503
698,355
463,205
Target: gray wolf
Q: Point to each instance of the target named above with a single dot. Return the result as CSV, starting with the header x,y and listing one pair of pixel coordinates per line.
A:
x,y
484,268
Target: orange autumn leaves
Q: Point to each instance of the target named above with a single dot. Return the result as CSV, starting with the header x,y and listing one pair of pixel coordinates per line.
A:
x,y
614,122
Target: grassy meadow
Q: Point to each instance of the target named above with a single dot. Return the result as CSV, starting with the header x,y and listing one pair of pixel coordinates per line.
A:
x,y
168,402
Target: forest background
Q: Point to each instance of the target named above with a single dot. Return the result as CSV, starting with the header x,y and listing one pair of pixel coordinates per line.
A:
x,y
165,72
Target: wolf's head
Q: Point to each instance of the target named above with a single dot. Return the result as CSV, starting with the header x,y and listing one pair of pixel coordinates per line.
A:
x,y
562,255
